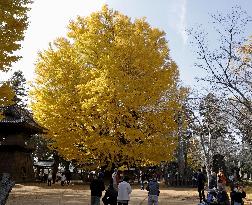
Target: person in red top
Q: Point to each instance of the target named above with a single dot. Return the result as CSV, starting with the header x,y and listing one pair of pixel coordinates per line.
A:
x,y
222,180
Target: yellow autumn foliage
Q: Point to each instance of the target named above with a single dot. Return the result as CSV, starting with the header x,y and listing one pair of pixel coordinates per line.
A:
x,y
109,93
13,21
246,49
7,94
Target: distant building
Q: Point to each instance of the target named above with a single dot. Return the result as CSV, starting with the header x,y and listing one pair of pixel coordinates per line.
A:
x,y
16,128
43,166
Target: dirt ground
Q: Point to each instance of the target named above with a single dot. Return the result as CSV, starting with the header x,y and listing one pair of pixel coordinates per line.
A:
x,y
38,194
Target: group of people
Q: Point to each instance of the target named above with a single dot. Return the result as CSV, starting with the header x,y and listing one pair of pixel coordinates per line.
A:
x,y
217,188
64,178
119,190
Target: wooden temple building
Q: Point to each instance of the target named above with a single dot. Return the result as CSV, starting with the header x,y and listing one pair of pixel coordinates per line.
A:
x,y
16,128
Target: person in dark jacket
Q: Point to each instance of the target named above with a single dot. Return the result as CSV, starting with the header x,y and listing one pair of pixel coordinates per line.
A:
x,y
110,197
236,195
201,179
213,181
96,187
68,176
153,191
222,196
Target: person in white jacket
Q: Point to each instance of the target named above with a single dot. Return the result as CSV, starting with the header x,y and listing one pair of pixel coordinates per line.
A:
x,y
124,190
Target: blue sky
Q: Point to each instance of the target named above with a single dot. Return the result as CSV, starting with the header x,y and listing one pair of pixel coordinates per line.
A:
x,y
49,18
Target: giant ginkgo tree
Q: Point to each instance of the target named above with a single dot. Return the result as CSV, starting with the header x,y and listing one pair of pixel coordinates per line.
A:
x,y
108,93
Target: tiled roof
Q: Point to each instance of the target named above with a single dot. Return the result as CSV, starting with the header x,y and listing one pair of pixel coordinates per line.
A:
x,y
16,115
44,163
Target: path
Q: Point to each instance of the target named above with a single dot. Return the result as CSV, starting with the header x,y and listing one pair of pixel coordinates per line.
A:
x,y
40,194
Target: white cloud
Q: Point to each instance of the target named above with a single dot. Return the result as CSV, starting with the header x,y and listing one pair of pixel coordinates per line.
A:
x,y
182,21
177,17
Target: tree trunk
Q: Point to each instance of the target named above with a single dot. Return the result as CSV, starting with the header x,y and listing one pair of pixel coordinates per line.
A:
x,y
207,159
55,166
208,170
181,156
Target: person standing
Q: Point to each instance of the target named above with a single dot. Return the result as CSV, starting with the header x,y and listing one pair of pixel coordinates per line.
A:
x,y
222,180
201,179
124,190
194,179
153,191
68,176
110,197
213,180
41,176
222,197
63,179
115,178
58,177
45,176
49,179
141,177
237,195
96,187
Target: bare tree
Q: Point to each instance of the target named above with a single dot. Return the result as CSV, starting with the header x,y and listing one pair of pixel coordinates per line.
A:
x,y
228,66
210,126
228,72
